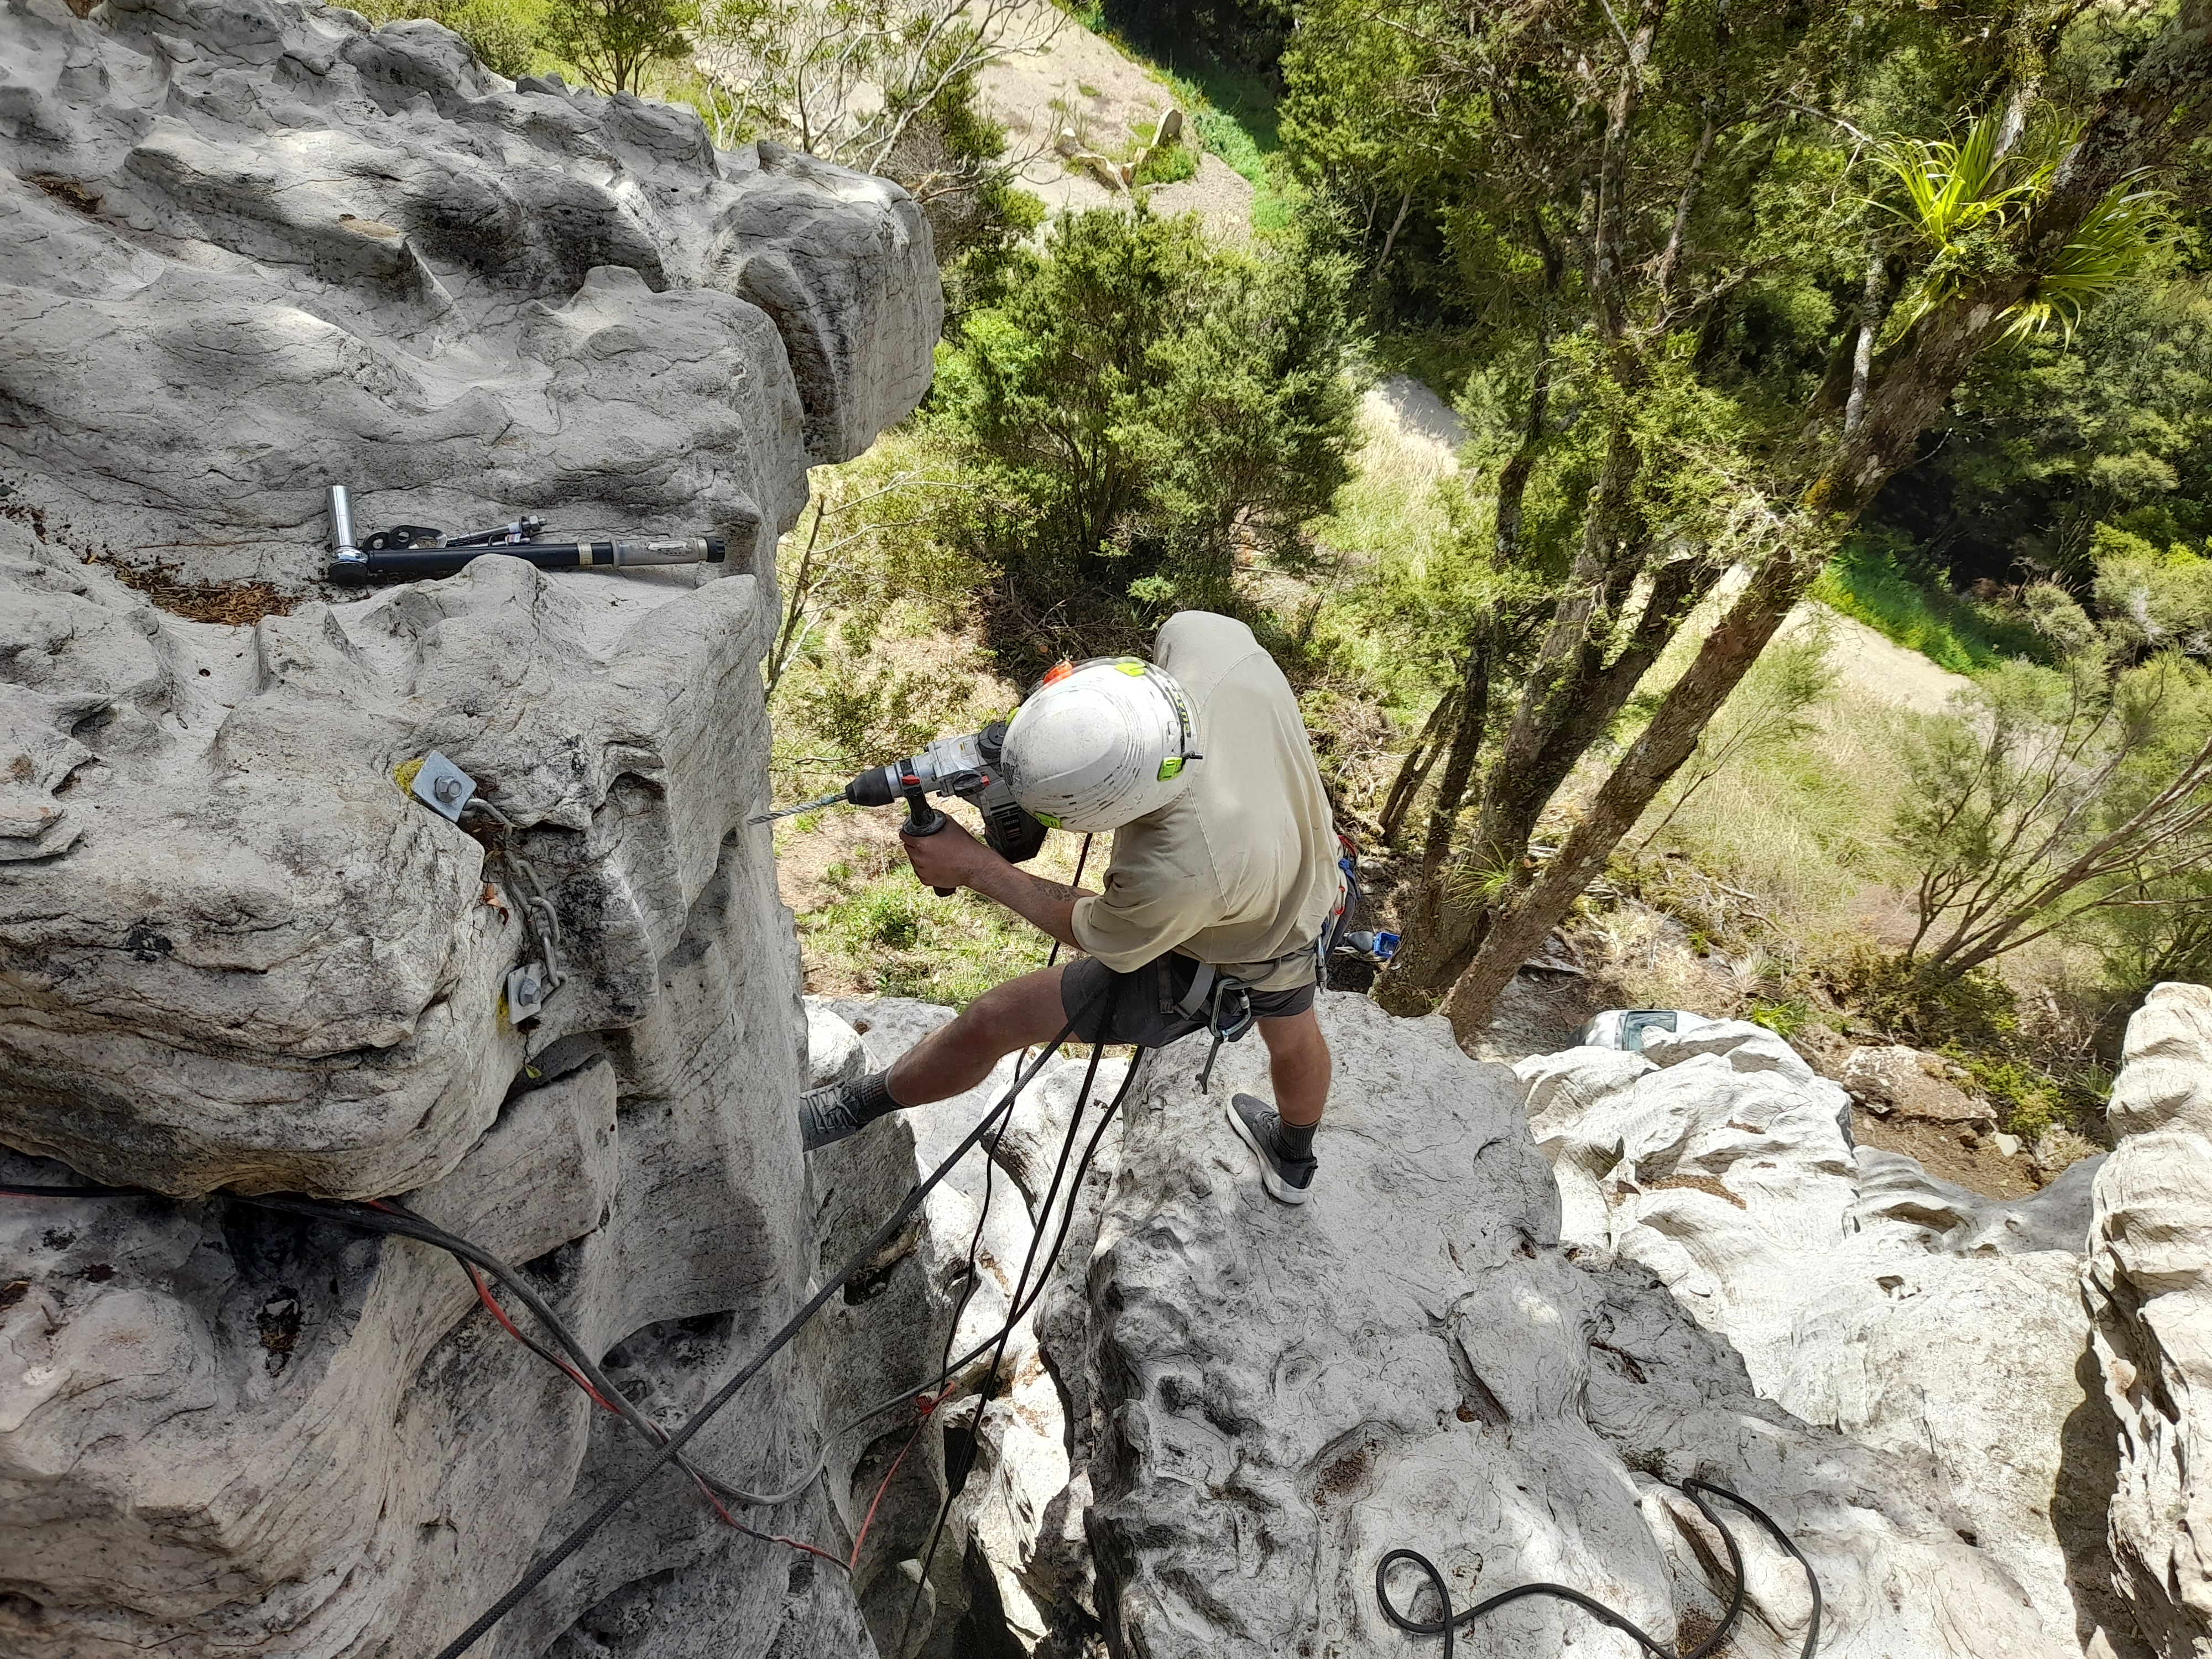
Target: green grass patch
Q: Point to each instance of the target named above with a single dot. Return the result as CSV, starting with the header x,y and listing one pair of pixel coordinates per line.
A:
x,y
893,936
1954,633
1166,164
1780,1016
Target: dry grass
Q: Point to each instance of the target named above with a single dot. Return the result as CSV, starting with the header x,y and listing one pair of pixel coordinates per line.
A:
x,y
239,604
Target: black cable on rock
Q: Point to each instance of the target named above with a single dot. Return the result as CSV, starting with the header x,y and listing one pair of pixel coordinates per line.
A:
x,y
960,1462
405,1223
545,1566
1447,1623
391,1218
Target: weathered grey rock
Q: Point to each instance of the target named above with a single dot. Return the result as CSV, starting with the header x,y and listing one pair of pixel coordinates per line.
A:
x,y
258,963
1905,1081
256,248
996,1574
1747,1047
231,1429
1897,1188
1268,1399
834,1054
1863,1295
2149,1288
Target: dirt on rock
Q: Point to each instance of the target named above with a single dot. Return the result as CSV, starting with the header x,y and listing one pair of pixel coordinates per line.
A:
x,y
1960,1156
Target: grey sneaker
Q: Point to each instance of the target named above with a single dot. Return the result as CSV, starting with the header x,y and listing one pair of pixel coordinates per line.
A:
x,y
835,1110
1286,1178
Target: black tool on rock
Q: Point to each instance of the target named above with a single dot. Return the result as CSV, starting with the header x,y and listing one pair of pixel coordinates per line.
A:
x,y
414,550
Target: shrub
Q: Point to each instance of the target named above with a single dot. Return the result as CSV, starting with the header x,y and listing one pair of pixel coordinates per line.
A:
x,y
1166,164
1141,405
503,33
504,40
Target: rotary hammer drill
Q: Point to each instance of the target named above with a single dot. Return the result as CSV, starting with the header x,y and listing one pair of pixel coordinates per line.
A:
x,y
966,766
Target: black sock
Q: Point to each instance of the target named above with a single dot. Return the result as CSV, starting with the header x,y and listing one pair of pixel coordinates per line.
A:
x,y
872,1095
1296,1138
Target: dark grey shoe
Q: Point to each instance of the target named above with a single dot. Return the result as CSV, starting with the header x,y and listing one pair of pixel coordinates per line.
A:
x,y
836,1110
1286,1178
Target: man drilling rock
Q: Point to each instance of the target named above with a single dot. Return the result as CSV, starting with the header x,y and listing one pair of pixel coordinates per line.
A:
x,y
1223,881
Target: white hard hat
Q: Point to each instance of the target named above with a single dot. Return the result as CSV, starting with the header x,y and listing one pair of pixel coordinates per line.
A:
x,y
1099,743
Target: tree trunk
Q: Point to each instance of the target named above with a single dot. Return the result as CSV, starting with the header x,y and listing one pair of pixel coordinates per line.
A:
x,y
1425,913
1413,771
1555,699
1519,926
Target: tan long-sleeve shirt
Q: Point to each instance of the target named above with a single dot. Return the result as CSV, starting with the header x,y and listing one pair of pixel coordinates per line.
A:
x,y
1240,868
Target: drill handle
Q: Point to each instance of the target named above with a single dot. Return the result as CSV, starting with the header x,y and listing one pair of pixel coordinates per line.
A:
x,y
923,819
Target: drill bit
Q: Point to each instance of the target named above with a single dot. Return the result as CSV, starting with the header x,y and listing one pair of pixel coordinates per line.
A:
x,y
790,811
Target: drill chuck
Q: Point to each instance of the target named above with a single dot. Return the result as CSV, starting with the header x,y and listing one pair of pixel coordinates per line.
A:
x,y
879,785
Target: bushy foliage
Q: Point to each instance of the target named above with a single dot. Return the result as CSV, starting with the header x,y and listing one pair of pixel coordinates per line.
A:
x,y
2054,797
2055,455
615,44
1141,407
503,33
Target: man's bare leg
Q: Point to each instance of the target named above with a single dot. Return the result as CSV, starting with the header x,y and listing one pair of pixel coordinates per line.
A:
x,y
1298,1063
956,1057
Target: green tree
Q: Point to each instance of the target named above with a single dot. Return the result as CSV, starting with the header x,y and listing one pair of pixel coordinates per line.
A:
x,y
1141,407
2052,447
614,43
1661,217
2051,797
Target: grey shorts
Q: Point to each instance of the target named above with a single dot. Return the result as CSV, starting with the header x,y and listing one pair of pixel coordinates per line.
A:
x,y
1145,1006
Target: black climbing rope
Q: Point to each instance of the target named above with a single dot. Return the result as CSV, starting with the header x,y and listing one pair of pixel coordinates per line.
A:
x,y
960,1458
1447,1623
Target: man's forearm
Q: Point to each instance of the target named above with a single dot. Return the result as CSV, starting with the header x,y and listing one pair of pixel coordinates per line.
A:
x,y
1047,905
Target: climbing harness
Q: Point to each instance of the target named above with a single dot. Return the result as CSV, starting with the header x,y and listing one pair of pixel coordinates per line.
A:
x,y
1226,998
1227,1001
1347,931
1447,1622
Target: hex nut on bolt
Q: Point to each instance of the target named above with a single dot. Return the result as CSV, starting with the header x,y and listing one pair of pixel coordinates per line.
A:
x,y
443,786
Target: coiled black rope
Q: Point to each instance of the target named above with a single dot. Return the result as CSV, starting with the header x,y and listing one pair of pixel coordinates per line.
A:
x,y
1447,1623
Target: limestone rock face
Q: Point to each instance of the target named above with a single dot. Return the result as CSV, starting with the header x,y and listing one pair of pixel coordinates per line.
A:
x,y
1267,1399
1863,1295
2149,1285
221,1428
256,248
1013,1542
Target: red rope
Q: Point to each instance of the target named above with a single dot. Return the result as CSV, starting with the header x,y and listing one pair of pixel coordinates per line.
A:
x,y
491,1305
927,1405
